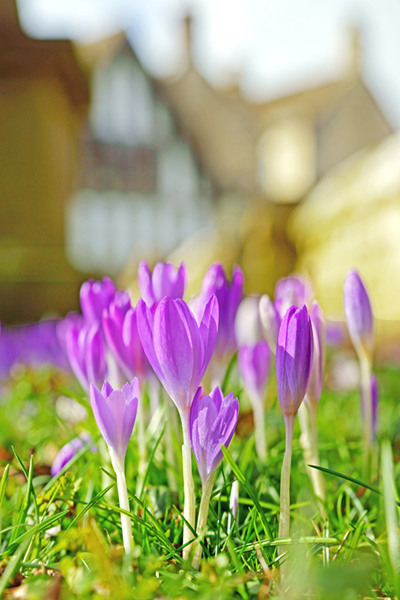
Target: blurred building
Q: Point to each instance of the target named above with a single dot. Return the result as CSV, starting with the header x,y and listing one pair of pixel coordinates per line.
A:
x,y
270,155
143,189
43,97
351,219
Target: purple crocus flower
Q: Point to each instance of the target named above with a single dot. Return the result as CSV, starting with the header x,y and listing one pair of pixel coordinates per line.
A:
x,y
122,336
358,314
316,380
95,296
292,291
213,421
254,365
294,354
178,348
166,280
115,414
68,451
229,297
86,354
374,403
270,321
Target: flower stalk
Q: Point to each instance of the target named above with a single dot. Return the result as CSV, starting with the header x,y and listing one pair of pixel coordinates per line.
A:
x,y
203,515
119,468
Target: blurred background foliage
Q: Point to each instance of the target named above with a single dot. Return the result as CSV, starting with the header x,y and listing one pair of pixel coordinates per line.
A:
x,y
116,147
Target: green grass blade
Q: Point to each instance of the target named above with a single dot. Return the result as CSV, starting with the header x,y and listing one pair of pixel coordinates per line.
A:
x,y
243,481
348,478
43,526
90,504
228,373
13,565
391,516
150,461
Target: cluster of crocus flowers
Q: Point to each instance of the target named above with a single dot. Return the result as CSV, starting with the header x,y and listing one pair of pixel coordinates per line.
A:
x,y
179,349
294,356
360,324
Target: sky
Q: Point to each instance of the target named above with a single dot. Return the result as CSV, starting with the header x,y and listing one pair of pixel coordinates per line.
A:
x,y
271,47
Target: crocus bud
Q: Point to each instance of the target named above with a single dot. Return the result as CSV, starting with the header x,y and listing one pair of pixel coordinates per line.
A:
x,y
292,291
234,498
86,354
270,321
294,354
374,403
213,421
247,322
115,414
166,280
228,296
95,296
68,451
178,348
316,380
358,314
254,365
122,336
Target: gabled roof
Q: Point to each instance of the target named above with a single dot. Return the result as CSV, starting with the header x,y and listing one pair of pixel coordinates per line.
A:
x,y
21,56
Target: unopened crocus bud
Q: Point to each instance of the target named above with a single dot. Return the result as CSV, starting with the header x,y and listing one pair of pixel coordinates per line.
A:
x,y
374,403
234,498
166,280
68,451
254,365
213,420
115,414
86,354
178,348
292,291
316,380
95,296
229,296
270,321
358,314
247,322
294,354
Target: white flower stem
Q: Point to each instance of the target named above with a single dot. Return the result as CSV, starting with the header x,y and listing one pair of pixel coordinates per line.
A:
x,y
126,523
309,442
202,518
366,368
259,425
284,518
318,480
189,510
141,440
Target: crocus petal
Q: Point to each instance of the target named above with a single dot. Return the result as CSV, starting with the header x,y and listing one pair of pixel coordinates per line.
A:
x,y
95,296
212,423
104,417
293,359
145,285
358,313
270,321
221,435
209,330
173,348
145,325
316,380
95,355
74,356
